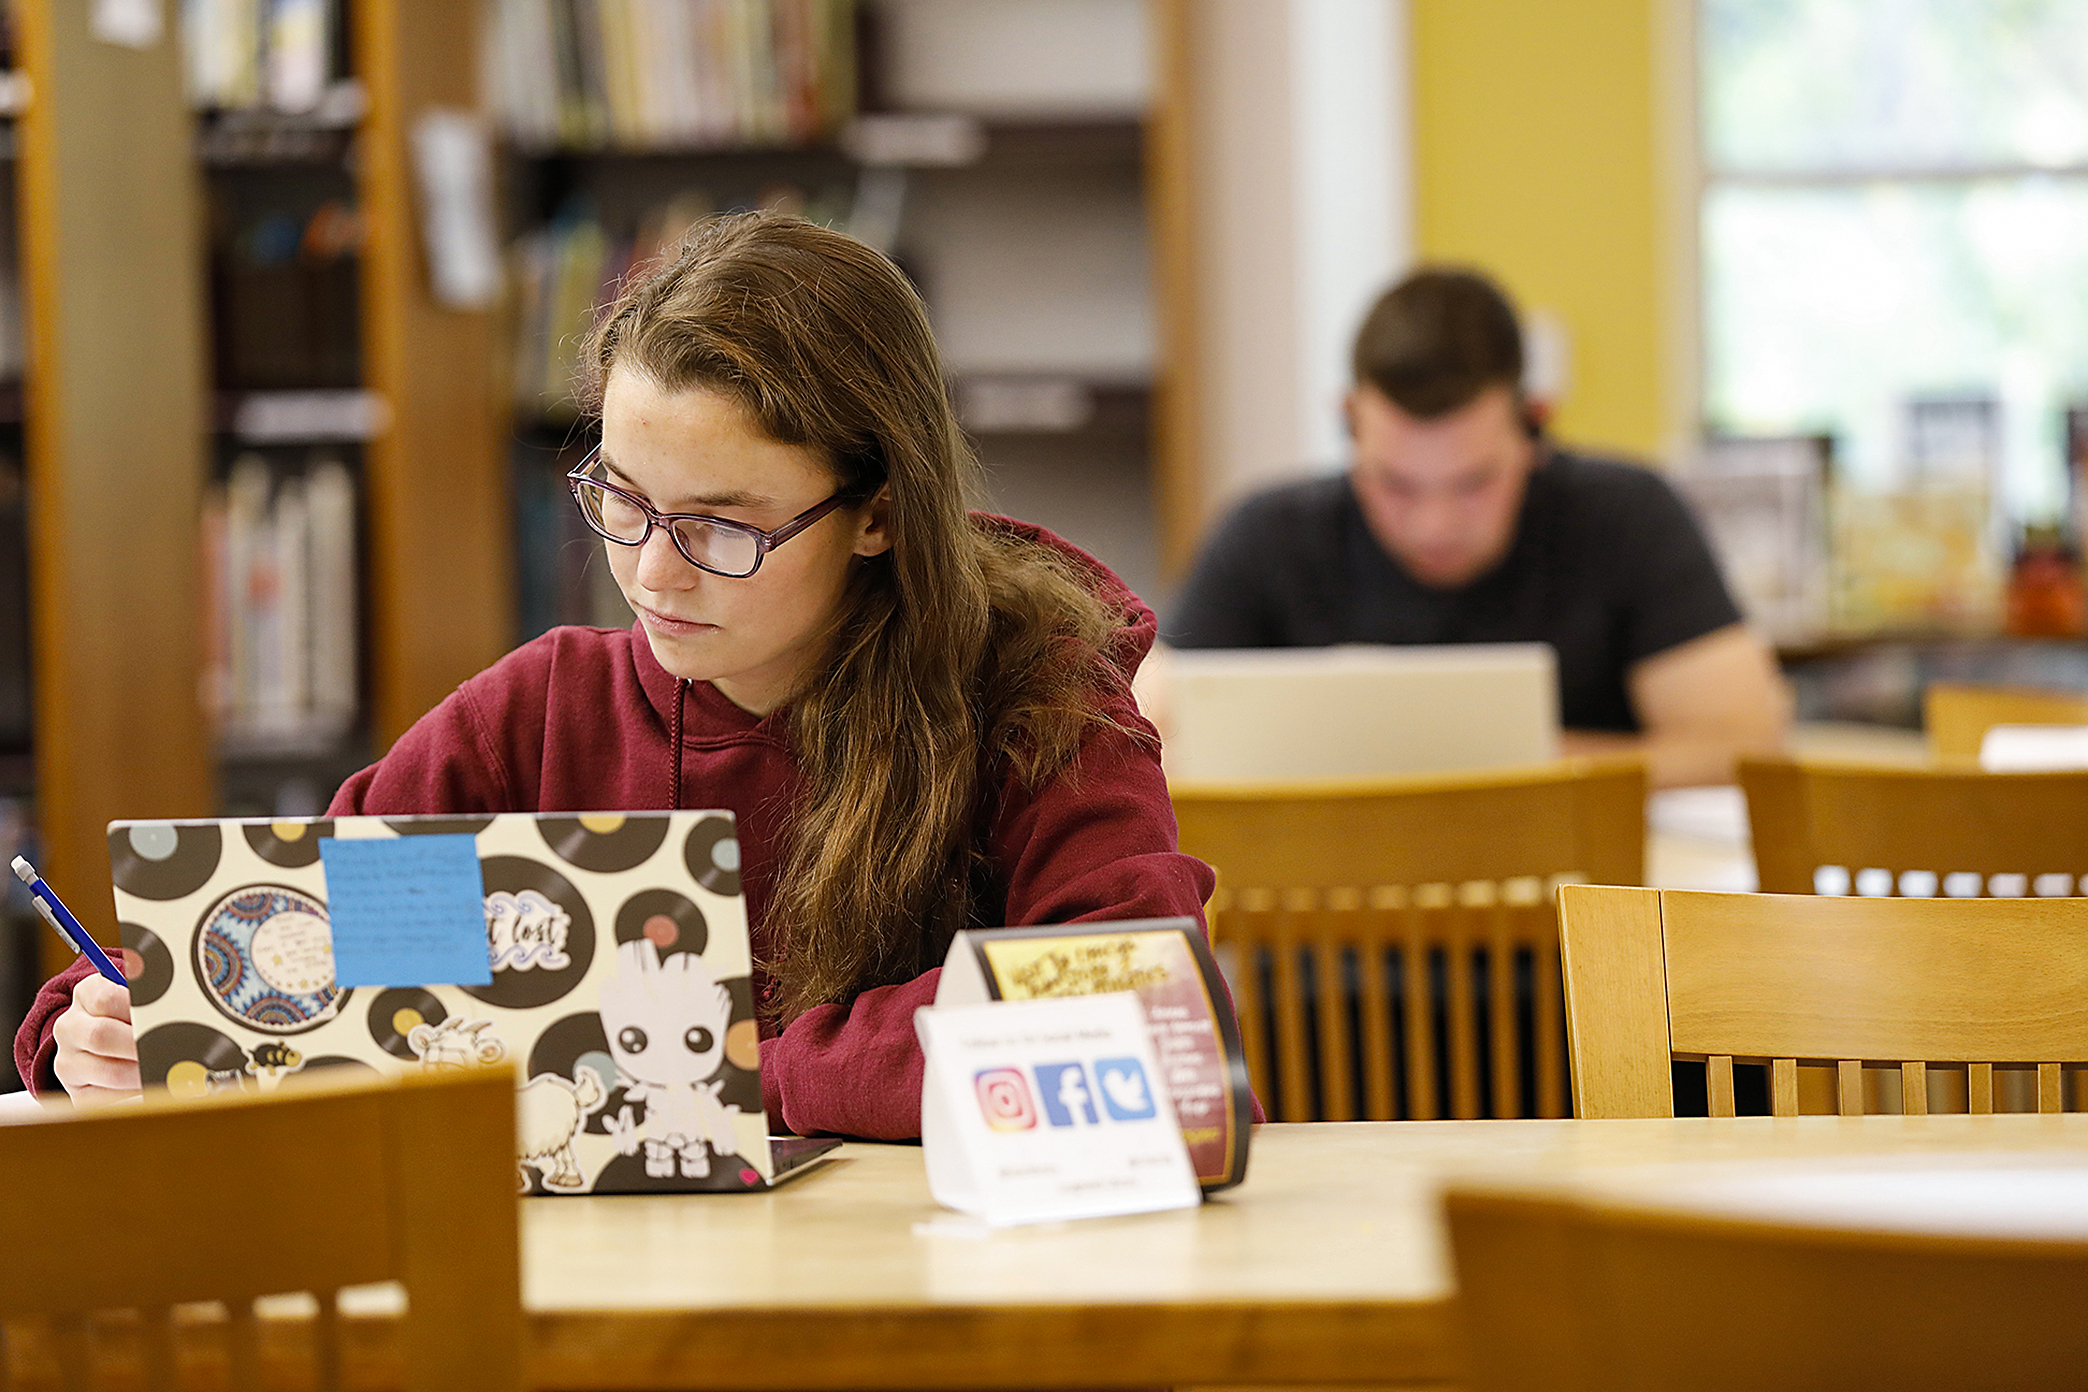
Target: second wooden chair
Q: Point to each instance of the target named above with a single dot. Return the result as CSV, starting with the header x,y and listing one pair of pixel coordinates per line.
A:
x,y
1969,984
1958,715
1394,947
1880,831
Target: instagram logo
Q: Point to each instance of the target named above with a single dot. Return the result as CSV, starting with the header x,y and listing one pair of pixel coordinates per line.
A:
x,y
1004,1097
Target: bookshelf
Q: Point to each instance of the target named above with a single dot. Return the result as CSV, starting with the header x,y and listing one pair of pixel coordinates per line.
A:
x,y
120,413
280,526
1016,187
125,424
357,424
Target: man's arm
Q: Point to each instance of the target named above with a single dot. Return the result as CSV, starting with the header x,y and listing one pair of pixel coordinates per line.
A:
x,y
1701,705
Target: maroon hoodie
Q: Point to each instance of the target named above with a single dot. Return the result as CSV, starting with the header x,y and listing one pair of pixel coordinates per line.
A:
x,y
581,719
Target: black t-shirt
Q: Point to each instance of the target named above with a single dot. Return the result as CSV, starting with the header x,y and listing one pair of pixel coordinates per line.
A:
x,y
1607,566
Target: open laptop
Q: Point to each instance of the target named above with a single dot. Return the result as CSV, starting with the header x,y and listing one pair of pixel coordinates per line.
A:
x,y
607,957
1358,711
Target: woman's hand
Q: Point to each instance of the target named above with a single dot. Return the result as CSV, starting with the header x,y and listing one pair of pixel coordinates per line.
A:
x,y
97,1049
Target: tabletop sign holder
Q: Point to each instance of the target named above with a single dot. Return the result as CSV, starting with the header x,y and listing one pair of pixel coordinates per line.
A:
x,y
1046,1110
1167,964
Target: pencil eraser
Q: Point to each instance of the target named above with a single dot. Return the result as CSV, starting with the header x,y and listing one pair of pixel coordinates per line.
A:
x,y
24,871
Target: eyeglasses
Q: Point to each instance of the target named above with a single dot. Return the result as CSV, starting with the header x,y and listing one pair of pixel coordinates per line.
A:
x,y
716,544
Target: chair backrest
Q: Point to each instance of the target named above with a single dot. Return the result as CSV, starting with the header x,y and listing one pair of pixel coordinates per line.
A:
x,y
1968,984
1393,946
314,1187
1572,1292
1833,828
1958,715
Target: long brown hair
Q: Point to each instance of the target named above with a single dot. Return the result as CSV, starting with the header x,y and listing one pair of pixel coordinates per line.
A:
x,y
961,653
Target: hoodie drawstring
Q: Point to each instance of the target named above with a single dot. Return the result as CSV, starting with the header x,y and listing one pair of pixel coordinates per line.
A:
x,y
674,746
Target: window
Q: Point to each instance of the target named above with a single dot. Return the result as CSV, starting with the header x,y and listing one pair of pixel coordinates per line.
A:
x,y
1894,229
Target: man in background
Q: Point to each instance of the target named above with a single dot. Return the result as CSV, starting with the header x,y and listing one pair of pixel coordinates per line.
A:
x,y
1457,522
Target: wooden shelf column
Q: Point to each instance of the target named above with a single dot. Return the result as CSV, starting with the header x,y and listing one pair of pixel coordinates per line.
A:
x,y
440,553
113,276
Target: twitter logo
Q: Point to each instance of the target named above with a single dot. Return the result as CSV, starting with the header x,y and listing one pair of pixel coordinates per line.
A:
x,y
1124,1090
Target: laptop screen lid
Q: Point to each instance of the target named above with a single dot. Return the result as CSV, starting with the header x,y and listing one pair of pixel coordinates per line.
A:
x,y
1358,711
617,976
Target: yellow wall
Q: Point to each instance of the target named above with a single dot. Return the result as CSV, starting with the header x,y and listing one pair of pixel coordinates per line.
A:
x,y
1535,158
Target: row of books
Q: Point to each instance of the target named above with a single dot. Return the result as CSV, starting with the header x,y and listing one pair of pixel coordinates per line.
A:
x,y
20,928
285,299
280,606
561,573
14,352
279,54
15,698
661,74
566,271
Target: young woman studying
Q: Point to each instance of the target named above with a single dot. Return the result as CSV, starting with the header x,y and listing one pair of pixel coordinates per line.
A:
x,y
921,716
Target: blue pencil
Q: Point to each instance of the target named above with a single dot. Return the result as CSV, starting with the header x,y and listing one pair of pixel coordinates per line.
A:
x,y
60,918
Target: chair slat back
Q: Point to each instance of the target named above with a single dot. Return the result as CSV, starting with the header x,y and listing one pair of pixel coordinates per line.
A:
x,y
1394,946
320,1185
1913,984
1957,715
1918,831
1576,1292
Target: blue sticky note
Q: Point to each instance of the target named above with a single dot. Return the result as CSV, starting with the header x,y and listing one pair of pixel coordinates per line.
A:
x,y
406,911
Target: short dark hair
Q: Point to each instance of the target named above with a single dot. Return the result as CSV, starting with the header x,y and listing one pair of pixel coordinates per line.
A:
x,y
1436,340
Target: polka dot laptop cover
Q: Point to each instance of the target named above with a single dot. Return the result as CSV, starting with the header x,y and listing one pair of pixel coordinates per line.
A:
x,y
621,983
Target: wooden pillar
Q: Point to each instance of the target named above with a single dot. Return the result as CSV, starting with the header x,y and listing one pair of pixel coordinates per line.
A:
x,y
440,549
1178,464
113,264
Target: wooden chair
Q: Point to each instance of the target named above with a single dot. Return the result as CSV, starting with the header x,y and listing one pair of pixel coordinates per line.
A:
x,y
1831,828
1915,831
1568,1290
1395,945
1958,715
320,1185
1969,984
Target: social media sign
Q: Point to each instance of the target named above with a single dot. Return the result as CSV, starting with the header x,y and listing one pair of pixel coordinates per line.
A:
x,y
1039,1110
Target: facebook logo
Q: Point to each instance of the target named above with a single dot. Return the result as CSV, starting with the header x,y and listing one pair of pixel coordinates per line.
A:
x,y
1125,1094
1063,1089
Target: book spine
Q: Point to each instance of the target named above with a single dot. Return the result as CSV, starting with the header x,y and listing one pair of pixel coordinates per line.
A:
x,y
573,129
299,40
246,518
214,593
625,125
293,617
15,700
333,606
594,75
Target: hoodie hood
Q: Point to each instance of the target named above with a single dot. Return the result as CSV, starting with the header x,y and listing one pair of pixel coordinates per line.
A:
x,y
1141,627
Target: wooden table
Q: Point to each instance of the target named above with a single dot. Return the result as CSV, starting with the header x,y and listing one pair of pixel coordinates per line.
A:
x,y
1327,1266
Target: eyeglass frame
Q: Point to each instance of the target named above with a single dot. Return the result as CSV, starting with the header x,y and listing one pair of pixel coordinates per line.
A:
x,y
764,542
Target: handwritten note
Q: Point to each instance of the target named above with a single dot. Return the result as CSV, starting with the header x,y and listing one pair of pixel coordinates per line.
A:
x,y
406,911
